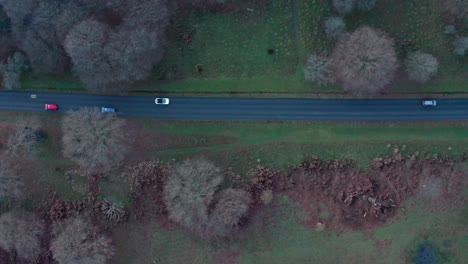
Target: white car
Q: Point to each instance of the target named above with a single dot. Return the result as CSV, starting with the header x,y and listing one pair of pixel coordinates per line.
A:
x,y
429,102
161,101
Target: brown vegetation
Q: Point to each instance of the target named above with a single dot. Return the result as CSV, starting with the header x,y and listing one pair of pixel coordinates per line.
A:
x,y
147,183
361,199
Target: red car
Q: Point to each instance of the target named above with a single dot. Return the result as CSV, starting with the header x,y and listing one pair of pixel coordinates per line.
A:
x,y
52,107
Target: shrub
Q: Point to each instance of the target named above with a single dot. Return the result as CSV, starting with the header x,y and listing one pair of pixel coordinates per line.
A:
x,y
421,66
318,69
450,30
334,26
77,241
344,6
94,140
232,206
20,232
114,211
460,46
364,61
266,197
147,183
189,191
365,5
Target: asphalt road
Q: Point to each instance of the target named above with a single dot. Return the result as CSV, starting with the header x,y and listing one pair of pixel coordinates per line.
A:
x,y
191,108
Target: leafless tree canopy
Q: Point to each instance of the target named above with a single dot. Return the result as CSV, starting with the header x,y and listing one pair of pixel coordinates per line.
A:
x,y
20,232
94,140
318,69
11,71
421,66
23,140
233,205
189,191
364,61
104,57
50,32
77,241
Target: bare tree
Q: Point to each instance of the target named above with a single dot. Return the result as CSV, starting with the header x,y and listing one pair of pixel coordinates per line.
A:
x,y
22,142
77,241
318,69
189,191
94,140
10,183
421,66
44,56
85,45
334,26
11,71
20,232
460,45
364,61
104,58
18,12
232,206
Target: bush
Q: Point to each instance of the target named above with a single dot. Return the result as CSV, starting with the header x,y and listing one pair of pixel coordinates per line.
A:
x,y
365,5
266,197
232,206
189,191
20,232
421,66
364,61
94,140
318,69
114,211
334,26
460,46
344,6
77,241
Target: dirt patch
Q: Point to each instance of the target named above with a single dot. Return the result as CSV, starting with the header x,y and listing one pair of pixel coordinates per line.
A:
x,y
382,244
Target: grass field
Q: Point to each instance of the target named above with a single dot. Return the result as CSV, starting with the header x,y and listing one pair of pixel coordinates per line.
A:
x,y
286,240
264,50
279,237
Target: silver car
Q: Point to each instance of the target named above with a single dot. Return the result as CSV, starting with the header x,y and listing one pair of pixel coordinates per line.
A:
x,y
429,102
161,101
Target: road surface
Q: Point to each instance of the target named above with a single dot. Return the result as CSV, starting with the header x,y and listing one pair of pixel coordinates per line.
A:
x,y
192,108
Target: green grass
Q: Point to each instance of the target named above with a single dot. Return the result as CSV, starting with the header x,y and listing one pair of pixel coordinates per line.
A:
x,y
233,48
285,240
418,25
279,144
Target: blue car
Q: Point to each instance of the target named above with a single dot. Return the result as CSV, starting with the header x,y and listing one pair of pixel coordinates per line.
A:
x,y
108,109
